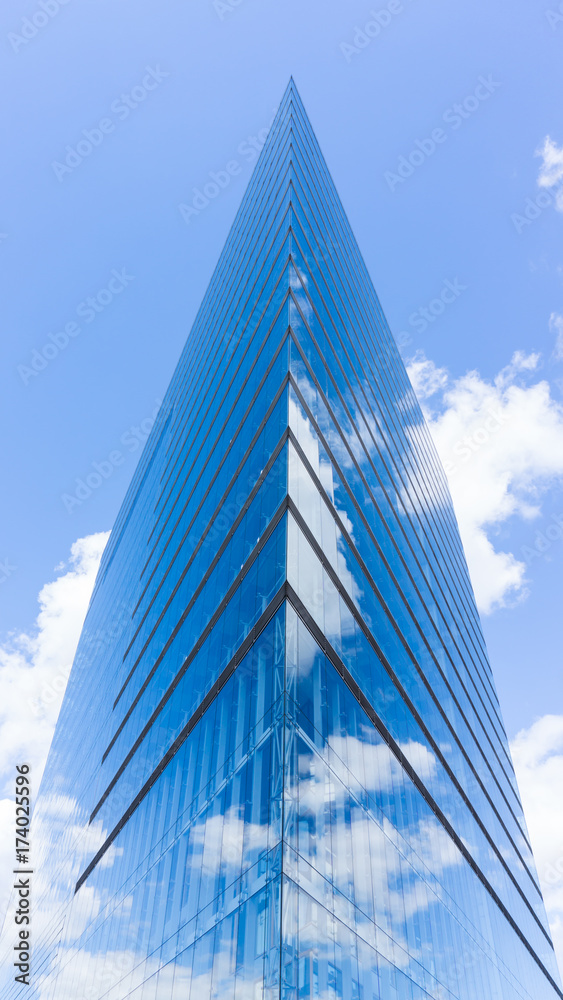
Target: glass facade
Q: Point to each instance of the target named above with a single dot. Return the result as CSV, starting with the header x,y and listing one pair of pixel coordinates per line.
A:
x,y
280,768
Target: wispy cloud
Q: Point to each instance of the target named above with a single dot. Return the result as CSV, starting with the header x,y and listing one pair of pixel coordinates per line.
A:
x,y
551,170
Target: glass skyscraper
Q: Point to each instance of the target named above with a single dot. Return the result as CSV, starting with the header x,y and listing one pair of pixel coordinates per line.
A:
x,y
280,768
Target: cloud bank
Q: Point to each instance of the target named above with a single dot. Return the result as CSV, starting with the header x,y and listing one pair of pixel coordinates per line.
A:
x,y
501,444
34,668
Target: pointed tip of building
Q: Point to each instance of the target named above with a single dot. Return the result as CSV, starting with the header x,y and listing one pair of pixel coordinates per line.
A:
x,y
291,90
290,117
290,103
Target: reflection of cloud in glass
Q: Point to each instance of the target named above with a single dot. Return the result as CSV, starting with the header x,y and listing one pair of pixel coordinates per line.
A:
x,y
387,879
379,768
218,840
84,975
299,281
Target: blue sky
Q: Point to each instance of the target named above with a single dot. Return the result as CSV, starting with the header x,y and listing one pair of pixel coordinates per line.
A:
x,y
175,92
121,112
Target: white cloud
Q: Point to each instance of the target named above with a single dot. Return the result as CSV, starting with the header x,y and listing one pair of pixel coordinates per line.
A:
x,y
501,443
374,767
425,376
551,170
219,839
34,668
556,327
537,753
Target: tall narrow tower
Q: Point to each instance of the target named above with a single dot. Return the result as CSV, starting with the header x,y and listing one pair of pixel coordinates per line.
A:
x,y
280,768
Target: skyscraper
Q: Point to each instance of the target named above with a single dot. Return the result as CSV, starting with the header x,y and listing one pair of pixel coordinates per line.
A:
x,y
280,768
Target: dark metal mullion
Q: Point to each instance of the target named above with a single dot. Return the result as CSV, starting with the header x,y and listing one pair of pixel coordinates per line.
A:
x,y
207,490
478,695
473,634
251,496
329,221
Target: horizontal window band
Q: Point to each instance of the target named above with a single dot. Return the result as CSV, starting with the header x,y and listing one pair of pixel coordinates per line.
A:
x,y
216,513
186,431
147,681
232,531
374,718
369,459
218,433
275,521
271,362
232,481
470,631
216,313
360,381
374,587
407,701
399,555
370,493
209,698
